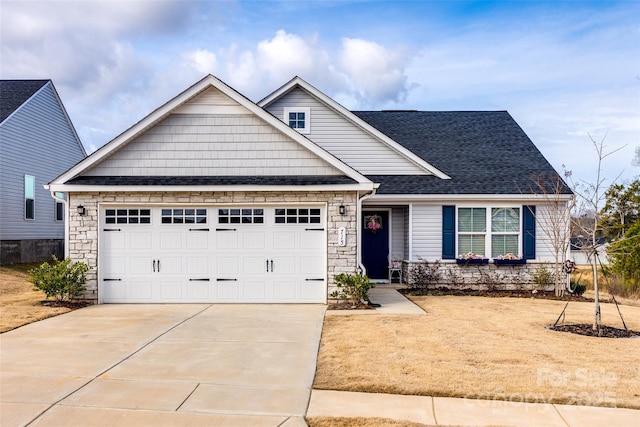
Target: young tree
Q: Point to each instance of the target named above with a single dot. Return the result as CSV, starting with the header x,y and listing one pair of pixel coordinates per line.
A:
x,y
621,209
591,197
555,220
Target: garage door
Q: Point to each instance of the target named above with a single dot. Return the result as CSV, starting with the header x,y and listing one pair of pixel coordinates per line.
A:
x,y
249,254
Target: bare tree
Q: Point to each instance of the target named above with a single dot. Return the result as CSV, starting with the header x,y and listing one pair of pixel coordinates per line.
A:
x,y
590,198
556,222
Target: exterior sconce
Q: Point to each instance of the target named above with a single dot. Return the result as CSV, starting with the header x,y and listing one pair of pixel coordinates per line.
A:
x,y
81,210
342,209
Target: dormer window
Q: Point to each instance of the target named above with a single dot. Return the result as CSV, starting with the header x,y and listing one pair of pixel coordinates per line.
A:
x,y
298,119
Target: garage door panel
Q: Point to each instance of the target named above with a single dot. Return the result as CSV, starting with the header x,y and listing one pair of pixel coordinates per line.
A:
x,y
311,266
170,240
197,240
140,290
254,265
228,291
284,266
254,290
253,240
226,240
140,241
283,290
284,240
114,266
228,266
115,290
170,265
312,290
171,291
113,240
312,240
198,265
198,291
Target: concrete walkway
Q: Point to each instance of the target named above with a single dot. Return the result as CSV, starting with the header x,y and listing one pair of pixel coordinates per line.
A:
x,y
391,301
182,364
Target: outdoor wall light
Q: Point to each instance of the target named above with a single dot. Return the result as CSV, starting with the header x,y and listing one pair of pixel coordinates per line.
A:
x,y
342,209
81,210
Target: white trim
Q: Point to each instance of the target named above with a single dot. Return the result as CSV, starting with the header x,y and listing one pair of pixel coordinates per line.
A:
x,y
408,198
181,99
77,188
410,232
409,155
307,121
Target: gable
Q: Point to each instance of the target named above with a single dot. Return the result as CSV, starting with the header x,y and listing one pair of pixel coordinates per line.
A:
x,y
210,131
14,93
350,143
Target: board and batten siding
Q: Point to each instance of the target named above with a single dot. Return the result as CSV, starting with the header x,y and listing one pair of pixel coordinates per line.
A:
x,y
212,145
342,138
398,235
427,232
36,140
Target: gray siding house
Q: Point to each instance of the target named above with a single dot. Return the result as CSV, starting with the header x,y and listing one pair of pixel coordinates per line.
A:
x,y
215,198
37,143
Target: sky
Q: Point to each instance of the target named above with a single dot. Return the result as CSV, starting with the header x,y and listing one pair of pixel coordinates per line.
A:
x,y
567,71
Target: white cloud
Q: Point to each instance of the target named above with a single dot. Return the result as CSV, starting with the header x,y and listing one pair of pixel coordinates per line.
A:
x,y
202,60
377,74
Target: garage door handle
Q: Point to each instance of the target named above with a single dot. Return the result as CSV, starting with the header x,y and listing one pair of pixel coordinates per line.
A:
x,y
272,266
154,265
158,266
226,280
267,266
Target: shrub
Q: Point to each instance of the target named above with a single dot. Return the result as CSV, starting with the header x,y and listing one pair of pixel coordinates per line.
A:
x,y
62,280
424,275
543,277
353,288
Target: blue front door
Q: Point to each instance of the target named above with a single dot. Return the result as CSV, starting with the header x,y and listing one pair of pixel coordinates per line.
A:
x,y
375,243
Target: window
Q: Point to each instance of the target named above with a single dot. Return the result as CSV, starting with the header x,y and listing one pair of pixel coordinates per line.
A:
x,y
127,216
472,228
504,235
184,216
297,216
505,231
59,206
298,119
29,197
241,216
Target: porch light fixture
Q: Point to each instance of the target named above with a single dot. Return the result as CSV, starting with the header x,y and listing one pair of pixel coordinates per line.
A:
x,y
342,209
81,210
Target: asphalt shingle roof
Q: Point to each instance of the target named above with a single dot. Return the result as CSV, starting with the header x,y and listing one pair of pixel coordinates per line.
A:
x,y
484,152
210,180
14,93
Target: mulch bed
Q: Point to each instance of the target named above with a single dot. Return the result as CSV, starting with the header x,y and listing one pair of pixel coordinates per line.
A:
x,y
348,306
605,331
68,304
494,293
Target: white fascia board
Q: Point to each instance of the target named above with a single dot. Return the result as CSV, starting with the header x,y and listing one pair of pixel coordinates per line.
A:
x,y
183,98
74,188
412,198
408,154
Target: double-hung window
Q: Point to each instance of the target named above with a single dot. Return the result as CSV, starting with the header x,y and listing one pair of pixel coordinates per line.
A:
x,y
505,231
29,197
489,236
472,230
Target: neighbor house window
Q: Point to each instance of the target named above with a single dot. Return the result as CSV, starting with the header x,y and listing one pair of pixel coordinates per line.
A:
x,y
298,119
29,197
59,213
503,237
505,231
472,230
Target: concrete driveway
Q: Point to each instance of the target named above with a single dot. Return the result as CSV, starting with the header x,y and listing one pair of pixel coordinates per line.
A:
x,y
213,365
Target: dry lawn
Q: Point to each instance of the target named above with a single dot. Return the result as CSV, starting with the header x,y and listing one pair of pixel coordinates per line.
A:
x,y
360,422
19,303
487,348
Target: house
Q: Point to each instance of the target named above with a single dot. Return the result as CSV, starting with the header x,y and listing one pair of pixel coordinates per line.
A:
x,y
37,143
215,198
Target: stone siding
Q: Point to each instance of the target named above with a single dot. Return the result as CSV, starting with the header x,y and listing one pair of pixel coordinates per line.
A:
x,y
481,277
83,230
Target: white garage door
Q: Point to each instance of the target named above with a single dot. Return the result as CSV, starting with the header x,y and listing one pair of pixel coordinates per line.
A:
x,y
212,254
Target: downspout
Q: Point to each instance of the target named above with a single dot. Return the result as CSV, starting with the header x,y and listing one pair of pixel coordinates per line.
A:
x,y
66,221
362,198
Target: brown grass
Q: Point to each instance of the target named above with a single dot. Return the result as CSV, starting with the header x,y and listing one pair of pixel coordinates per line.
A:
x,y
360,422
19,303
489,348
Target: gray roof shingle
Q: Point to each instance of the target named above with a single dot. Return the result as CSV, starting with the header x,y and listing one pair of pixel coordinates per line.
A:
x,y
14,93
484,152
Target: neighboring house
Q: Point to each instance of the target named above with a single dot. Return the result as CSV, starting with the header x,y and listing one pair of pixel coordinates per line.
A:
x,y
580,247
214,198
37,143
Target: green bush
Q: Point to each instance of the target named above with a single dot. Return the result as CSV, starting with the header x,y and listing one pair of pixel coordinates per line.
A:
x,y
353,288
62,280
543,277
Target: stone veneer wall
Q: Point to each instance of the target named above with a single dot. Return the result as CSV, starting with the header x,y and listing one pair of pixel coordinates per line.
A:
x,y
482,277
83,230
